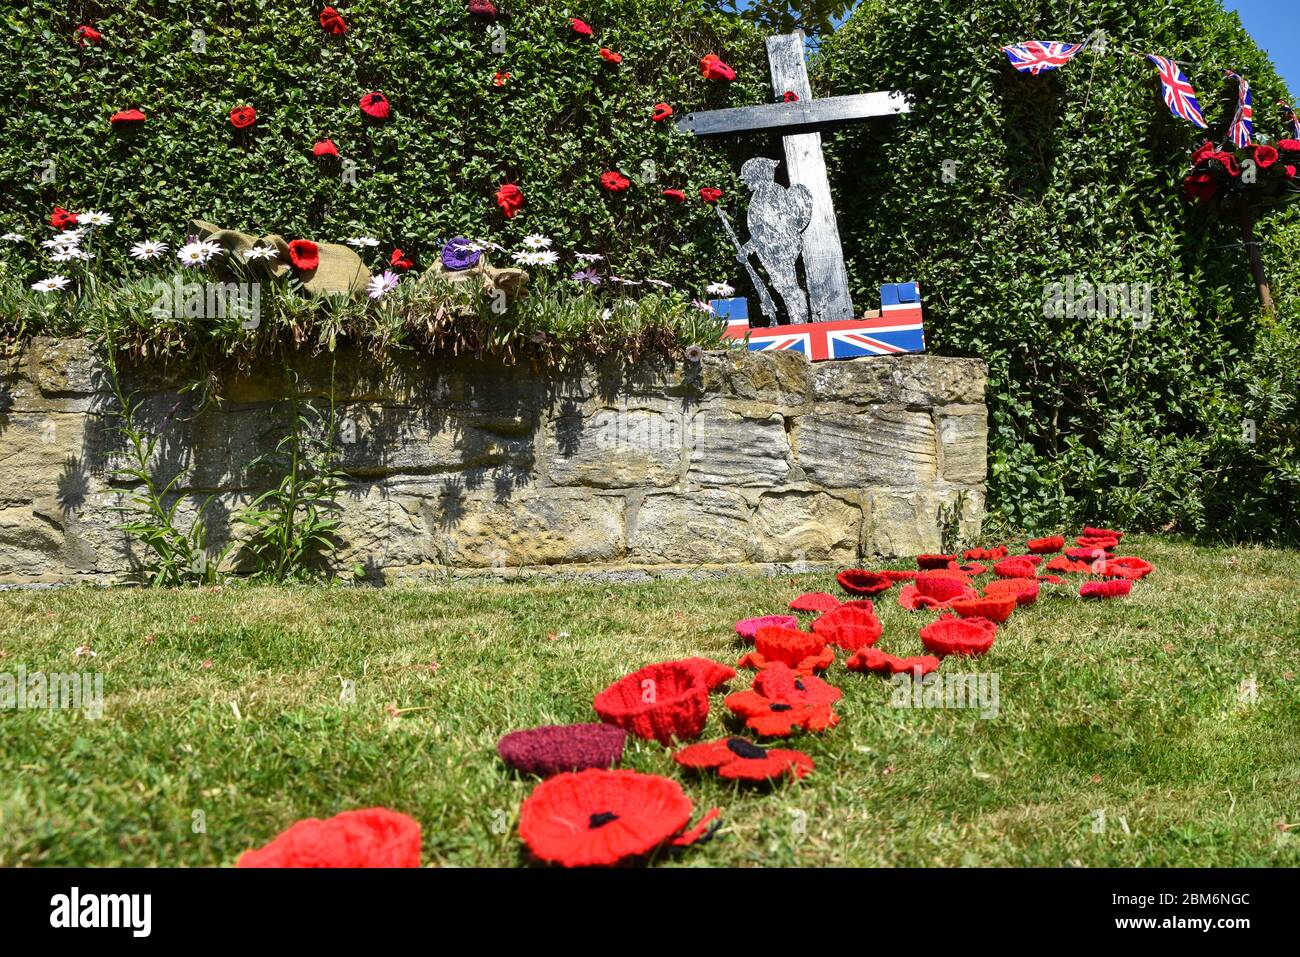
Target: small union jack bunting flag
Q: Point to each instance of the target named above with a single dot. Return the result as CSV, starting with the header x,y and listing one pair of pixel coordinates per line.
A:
x,y
1179,95
1289,116
1035,56
1242,130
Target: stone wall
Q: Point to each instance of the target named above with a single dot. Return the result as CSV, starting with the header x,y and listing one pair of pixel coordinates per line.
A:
x,y
742,461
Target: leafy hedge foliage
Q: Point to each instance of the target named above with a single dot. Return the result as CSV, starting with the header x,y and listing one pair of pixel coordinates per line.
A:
x,y
428,173
1078,173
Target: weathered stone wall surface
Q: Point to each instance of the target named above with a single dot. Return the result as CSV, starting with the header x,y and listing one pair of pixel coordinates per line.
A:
x,y
755,461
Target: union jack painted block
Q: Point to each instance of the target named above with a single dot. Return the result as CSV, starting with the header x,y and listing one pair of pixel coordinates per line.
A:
x,y
897,329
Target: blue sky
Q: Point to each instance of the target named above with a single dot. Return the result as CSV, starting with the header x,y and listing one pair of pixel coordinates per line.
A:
x,y
1275,26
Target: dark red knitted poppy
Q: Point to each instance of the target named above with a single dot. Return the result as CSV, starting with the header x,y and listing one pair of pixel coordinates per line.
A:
x,y
614,181
661,112
858,581
483,8
375,105
959,636
1024,590
985,554
815,601
662,701
1017,567
783,701
1111,588
1091,532
1125,566
332,21
580,27
739,760
373,837
853,625
555,748
934,591
596,818
1045,546
933,561
242,116
304,254
748,626
995,608
881,662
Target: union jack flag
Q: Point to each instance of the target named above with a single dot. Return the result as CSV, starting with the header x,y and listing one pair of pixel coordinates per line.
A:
x,y
1290,117
1179,95
1035,56
897,329
1242,130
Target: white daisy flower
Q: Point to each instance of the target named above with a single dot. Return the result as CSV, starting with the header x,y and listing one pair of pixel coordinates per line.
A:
x,y
149,249
385,282
536,258
660,283
362,242
193,254
588,257
537,241
68,253
624,282
13,237
53,284
69,239
260,252
94,218
720,289
211,249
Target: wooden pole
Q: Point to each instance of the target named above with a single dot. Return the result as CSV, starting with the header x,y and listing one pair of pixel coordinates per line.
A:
x,y
1256,260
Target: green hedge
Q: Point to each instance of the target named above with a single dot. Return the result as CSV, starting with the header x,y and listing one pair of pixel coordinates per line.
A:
x,y
1078,173
429,173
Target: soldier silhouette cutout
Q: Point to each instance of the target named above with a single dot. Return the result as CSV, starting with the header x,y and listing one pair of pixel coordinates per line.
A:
x,y
777,217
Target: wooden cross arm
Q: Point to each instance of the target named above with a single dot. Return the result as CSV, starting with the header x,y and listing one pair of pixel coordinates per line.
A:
x,y
798,117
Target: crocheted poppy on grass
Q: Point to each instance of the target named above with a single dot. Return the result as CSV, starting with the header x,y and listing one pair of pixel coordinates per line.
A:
x,y
304,254
783,701
858,581
658,702
896,575
1112,588
1046,546
806,666
510,198
597,818
934,591
325,148
746,627
985,554
970,568
815,601
661,112
243,116
1017,567
580,27
995,608
710,194
1096,541
959,636
556,748
788,645
1024,590
373,837
375,105
852,626
61,218
712,68
1125,566
126,118
925,562
1063,563
332,22
1089,532
739,760
881,662
615,182
1088,554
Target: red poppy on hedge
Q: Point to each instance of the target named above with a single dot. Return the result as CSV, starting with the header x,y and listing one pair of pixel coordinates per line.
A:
x,y
242,116
984,554
996,608
483,8
62,218
881,662
1045,546
500,79
815,601
661,112
304,254
374,837
510,198
739,760
790,96
614,181
1024,590
579,27
853,625
926,562
712,68
333,21
1203,152
1289,145
858,581
596,818
398,260
747,627
126,118
87,36
375,105
1290,171
609,56
959,636
710,194
1113,588
325,148
674,194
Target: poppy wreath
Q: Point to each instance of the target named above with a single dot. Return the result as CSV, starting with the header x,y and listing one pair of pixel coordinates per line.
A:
x,y
373,837
1025,590
789,646
853,625
783,701
556,748
1046,546
1111,588
928,562
746,627
959,636
985,554
858,581
934,591
736,759
881,662
662,701
996,608
815,601
597,818
1125,566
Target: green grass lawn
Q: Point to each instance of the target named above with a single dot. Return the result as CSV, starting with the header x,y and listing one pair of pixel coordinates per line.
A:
x,y
1132,707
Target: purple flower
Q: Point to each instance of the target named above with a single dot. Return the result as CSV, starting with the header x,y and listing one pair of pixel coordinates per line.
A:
x,y
460,253
588,275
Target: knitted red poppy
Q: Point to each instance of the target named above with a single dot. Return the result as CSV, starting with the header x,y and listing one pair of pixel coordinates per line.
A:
x,y
663,701
933,561
375,105
1089,554
788,645
970,568
857,581
332,22
304,254
1045,546
815,601
806,666
511,199
62,218
1017,567
126,118
596,818
1091,532
614,181
739,760
555,748
895,575
985,554
747,626
1126,566
1063,563
661,112
397,259
483,8
789,96
881,662
852,626
712,68
783,701
87,36
934,591
1111,588
1024,590
959,636
325,148
242,116
710,194
580,27
1096,541
609,56
499,80
995,608
676,195
373,837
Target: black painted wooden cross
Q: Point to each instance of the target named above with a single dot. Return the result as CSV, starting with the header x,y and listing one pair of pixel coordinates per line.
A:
x,y
799,123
